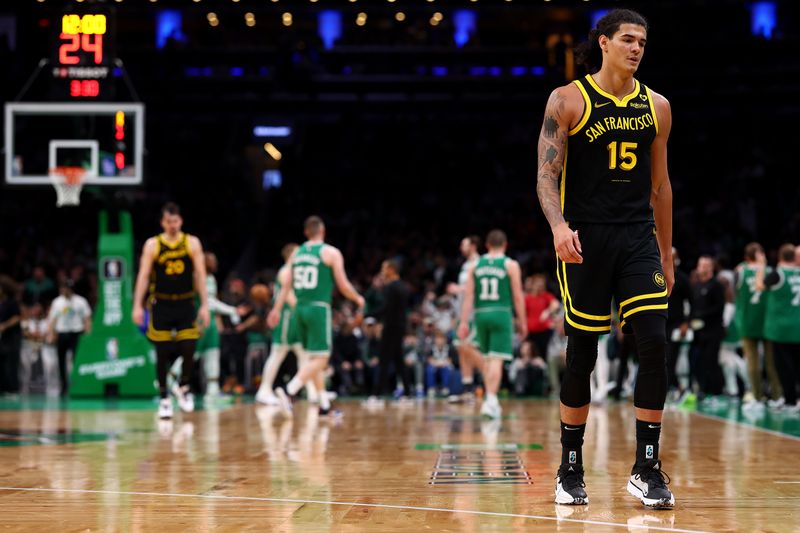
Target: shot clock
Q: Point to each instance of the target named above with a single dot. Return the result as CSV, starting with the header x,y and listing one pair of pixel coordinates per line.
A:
x,y
80,125
83,56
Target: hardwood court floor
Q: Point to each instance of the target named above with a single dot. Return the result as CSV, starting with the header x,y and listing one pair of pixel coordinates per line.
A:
x,y
250,468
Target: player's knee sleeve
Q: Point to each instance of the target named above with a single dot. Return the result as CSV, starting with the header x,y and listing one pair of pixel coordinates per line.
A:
x,y
211,363
581,357
651,345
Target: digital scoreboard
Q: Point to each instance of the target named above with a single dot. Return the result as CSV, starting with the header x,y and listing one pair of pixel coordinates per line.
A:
x,y
80,124
83,55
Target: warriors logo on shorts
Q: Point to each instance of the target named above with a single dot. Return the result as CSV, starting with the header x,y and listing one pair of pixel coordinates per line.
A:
x,y
658,279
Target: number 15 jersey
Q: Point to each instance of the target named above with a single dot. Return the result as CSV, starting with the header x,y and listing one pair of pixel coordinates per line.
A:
x,y
311,278
606,171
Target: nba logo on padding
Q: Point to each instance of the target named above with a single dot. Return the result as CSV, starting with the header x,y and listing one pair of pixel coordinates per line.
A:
x,y
648,451
573,457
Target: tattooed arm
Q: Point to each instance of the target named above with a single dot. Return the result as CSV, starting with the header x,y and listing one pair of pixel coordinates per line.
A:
x,y
564,108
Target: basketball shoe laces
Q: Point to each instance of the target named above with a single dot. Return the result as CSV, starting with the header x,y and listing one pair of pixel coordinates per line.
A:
x,y
650,472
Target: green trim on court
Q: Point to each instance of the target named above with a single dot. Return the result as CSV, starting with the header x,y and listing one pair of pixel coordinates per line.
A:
x,y
776,420
470,446
10,438
51,403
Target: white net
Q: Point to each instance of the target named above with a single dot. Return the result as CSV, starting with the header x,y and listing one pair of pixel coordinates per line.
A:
x,y
68,183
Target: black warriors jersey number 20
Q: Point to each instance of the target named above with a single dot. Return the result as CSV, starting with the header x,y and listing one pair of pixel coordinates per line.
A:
x,y
606,176
173,270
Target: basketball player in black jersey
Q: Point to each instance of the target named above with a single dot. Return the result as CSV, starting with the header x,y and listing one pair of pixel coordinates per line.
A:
x,y
604,188
173,267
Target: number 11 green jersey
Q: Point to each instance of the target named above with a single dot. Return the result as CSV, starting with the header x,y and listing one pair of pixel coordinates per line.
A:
x,y
492,284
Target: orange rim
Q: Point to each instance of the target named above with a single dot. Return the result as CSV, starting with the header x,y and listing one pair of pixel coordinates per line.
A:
x,y
72,175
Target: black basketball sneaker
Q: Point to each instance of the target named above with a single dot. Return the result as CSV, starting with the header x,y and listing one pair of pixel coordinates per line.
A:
x,y
648,484
570,485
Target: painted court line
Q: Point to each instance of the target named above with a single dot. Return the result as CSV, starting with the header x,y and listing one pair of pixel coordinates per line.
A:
x,y
788,482
354,504
736,422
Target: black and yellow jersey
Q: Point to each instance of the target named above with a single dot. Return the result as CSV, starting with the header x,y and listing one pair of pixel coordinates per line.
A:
x,y
606,174
172,277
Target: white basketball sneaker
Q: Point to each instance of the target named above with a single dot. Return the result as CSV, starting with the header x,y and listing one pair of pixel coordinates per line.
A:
x,y
491,409
184,397
267,397
648,485
165,408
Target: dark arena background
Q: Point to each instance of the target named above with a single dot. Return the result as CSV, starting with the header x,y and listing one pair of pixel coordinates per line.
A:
x,y
407,126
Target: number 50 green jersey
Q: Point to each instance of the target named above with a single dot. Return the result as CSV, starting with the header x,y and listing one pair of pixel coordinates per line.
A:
x,y
311,278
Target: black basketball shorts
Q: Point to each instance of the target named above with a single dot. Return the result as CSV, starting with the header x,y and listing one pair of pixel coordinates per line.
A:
x,y
620,262
173,321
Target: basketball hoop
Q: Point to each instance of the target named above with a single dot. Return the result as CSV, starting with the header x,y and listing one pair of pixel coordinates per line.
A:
x,y
68,183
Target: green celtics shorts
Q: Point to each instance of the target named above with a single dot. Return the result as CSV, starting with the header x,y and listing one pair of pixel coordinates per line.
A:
x,y
495,333
285,333
209,338
314,328
470,340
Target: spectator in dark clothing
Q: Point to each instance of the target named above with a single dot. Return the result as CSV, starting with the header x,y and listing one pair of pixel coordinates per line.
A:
x,y
528,371
677,320
371,349
10,339
708,304
373,297
82,284
347,360
392,314
439,365
233,340
39,288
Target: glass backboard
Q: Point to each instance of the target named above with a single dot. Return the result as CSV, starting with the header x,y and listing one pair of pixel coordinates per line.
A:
x,y
105,139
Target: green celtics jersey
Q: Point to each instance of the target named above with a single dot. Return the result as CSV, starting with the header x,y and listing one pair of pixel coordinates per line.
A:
x,y
312,279
492,284
782,322
751,304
